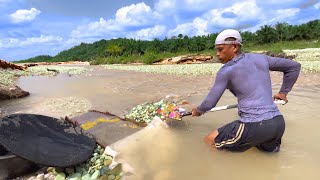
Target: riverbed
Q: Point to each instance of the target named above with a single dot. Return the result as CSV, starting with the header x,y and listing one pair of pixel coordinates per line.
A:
x,y
179,153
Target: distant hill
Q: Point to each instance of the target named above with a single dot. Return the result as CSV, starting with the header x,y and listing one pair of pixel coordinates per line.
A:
x,y
121,49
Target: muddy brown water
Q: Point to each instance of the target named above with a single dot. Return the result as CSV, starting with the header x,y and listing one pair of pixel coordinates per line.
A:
x,y
176,153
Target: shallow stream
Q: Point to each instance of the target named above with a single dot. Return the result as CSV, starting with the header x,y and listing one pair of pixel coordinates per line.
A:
x,y
179,153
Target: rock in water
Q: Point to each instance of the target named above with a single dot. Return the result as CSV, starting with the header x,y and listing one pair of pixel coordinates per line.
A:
x,y
7,92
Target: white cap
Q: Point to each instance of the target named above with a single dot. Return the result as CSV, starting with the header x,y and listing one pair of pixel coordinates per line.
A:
x,y
221,38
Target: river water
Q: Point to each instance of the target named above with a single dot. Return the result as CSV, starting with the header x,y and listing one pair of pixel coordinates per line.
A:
x,y
179,153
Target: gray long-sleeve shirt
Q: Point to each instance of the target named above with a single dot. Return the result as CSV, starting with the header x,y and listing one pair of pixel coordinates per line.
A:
x,y
247,77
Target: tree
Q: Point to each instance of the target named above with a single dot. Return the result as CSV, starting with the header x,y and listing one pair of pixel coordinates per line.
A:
x,y
248,36
114,50
266,34
127,47
282,31
314,27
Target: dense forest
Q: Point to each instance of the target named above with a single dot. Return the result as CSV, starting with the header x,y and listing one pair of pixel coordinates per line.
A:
x,y
118,50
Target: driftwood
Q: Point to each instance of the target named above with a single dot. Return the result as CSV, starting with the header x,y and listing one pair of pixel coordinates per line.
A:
x,y
30,65
4,64
53,70
192,59
280,55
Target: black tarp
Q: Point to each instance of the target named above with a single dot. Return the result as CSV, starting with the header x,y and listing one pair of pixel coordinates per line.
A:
x,y
45,140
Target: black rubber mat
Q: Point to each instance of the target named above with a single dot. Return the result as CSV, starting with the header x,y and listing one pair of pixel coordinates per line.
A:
x,y
45,140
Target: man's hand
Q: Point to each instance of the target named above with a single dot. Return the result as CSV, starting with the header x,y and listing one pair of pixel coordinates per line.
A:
x,y
280,96
195,112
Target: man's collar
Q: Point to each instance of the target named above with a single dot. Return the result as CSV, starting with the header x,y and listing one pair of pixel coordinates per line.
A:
x,y
234,60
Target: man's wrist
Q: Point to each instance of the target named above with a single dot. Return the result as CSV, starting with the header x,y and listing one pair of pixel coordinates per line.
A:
x,y
200,111
283,92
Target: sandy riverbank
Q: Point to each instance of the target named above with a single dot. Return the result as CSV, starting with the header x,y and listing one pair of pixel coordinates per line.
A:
x,y
145,86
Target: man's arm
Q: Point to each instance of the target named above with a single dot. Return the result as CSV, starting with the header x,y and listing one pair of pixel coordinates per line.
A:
x,y
215,93
290,69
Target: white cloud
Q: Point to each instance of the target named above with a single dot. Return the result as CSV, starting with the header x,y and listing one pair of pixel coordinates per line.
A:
x,y
201,26
130,16
244,12
279,15
148,33
134,15
285,13
199,4
183,6
42,39
98,28
196,28
280,4
277,2
140,21
165,5
23,15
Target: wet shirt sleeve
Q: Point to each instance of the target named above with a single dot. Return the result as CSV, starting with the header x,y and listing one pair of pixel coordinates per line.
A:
x,y
290,69
215,93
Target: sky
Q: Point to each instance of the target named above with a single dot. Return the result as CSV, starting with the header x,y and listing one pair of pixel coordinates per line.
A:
x,y
29,28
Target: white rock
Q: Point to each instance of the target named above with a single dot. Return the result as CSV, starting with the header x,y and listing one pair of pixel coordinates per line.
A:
x,y
49,176
110,152
40,176
181,110
176,59
156,122
113,164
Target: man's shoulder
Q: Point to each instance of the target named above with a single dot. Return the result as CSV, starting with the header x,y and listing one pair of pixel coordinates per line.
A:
x,y
254,55
224,70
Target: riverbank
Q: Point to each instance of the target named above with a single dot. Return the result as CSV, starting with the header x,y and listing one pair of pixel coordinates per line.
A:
x,y
309,58
118,91
114,84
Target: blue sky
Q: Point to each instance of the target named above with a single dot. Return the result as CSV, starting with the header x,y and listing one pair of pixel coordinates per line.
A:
x,y
45,27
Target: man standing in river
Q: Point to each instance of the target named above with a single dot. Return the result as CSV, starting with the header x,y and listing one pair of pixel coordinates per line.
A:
x,y
247,77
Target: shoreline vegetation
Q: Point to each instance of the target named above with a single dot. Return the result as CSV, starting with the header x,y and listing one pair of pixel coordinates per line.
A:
x,y
298,42
309,59
152,57
273,38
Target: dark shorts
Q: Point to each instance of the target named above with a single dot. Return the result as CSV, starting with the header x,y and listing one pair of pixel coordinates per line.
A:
x,y
238,136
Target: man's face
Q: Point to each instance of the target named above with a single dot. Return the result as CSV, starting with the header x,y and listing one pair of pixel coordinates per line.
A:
x,y
225,52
